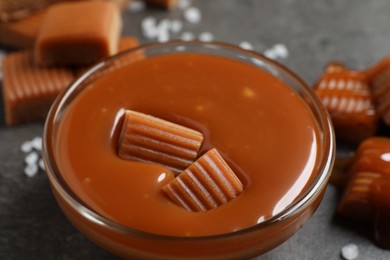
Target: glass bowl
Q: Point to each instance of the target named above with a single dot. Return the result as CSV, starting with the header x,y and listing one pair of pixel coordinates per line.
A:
x,y
245,243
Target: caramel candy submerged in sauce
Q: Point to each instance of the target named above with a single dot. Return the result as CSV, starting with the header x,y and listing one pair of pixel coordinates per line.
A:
x,y
347,97
206,184
22,33
149,139
77,33
28,90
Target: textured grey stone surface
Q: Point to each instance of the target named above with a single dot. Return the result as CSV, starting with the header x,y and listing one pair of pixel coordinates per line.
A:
x,y
356,32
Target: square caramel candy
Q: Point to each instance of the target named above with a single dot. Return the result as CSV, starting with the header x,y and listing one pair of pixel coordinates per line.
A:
x,y
22,33
379,81
149,139
346,96
78,33
206,184
29,90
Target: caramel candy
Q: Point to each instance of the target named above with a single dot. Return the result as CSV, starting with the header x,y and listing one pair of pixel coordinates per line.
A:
x,y
28,90
77,33
206,184
11,10
22,33
356,201
379,80
381,201
149,139
347,97
168,4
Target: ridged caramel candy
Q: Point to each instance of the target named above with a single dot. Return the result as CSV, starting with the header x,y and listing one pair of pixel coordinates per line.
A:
x,y
22,33
29,90
208,183
356,201
77,33
150,139
346,95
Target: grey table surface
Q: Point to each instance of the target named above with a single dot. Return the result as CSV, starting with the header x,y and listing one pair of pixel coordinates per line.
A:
x,y
356,32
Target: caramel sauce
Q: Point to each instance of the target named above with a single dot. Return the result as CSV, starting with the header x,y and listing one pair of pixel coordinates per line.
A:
x,y
262,128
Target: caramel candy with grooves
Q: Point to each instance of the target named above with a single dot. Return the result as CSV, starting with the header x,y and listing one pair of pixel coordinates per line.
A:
x,y
379,79
22,33
78,33
150,139
381,201
356,201
346,95
29,90
168,4
208,183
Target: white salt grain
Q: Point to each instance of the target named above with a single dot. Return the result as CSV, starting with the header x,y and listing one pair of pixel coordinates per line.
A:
x,y
149,27
187,36
26,147
31,158
176,26
37,143
350,252
136,6
41,164
192,15
271,54
281,50
246,46
206,37
183,4
31,170
162,32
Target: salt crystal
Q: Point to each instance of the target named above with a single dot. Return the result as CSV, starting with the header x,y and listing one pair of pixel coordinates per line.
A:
x,y
31,170
37,143
180,48
350,252
163,36
163,30
26,146
149,27
176,26
206,37
281,50
192,15
31,158
246,46
187,36
41,164
136,6
271,54
183,4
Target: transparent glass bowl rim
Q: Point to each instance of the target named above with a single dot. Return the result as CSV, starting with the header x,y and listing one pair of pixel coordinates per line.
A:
x,y
305,199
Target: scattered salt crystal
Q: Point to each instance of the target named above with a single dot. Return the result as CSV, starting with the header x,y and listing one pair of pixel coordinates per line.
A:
x,y
350,251
246,46
163,30
180,48
176,26
31,158
31,170
26,147
41,164
183,4
192,15
206,37
281,50
149,27
136,6
163,36
271,54
37,143
187,36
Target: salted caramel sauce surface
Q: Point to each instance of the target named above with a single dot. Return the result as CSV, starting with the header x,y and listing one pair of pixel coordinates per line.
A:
x,y
263,130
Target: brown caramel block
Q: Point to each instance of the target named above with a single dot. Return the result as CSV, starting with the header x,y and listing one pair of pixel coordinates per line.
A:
x,y
12,10
356,202
168,4
22,33
381,202
150,139
28,90
89,34
347,97
206,184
